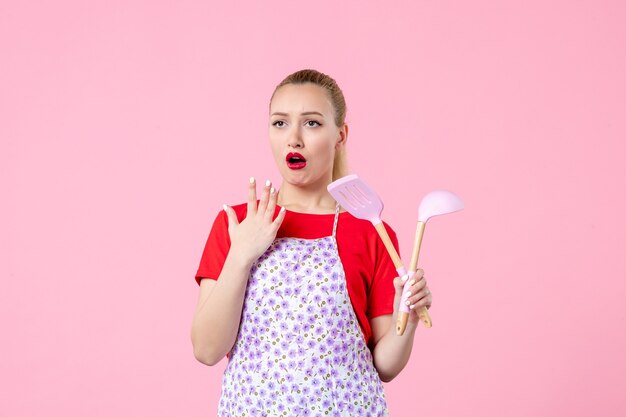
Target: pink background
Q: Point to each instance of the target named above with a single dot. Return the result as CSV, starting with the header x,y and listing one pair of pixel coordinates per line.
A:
x,y
125,125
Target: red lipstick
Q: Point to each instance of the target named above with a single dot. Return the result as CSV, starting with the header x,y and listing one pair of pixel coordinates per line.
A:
x,y
295,160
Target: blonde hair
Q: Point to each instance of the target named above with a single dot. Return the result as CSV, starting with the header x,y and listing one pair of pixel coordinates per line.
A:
x,y
340,164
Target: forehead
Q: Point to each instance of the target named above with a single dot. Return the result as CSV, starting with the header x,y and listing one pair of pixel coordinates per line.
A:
x,y
298,98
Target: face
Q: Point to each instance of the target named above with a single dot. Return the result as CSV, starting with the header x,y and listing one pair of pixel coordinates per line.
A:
x,y
303,134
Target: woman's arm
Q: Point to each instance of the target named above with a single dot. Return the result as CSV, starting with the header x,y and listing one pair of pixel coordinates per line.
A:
x,y
218,312
392,352
220,303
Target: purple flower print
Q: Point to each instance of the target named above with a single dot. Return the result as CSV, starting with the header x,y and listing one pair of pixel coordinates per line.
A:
x,y
269,375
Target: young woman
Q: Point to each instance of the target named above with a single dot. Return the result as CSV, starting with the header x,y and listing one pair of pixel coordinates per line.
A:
x,y
301,295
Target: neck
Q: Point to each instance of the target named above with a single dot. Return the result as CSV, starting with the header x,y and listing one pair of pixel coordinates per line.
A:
x,y
312,198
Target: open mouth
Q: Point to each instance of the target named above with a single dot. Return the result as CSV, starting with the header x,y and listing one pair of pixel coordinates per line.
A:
x,y
295,160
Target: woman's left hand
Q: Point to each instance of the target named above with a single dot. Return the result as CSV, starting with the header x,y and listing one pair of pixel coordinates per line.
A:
x,y
420,294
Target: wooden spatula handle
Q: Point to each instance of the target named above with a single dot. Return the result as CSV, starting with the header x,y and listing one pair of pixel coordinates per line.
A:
x,y
382,232
419,234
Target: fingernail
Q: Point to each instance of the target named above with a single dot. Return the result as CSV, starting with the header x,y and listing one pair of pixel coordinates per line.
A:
x,y
268,183
412,282
407,302
283,209
272,190
412,307
251,180
224,207
408,294
404,278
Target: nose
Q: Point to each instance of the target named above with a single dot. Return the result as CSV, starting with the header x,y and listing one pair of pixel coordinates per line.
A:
x,y
295,139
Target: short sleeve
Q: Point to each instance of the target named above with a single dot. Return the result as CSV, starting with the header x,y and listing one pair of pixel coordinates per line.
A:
x,y
382,291
215,250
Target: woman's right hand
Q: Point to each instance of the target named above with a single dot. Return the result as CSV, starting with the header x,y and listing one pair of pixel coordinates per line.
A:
x,y
254,235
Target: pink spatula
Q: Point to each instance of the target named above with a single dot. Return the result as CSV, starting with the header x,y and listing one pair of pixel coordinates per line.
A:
x,y
362,202
433,204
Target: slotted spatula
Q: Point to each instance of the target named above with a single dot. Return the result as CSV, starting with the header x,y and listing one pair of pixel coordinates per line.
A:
x,y
362,202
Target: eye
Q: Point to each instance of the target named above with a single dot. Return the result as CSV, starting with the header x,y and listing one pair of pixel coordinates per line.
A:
x,y
278,123
312,123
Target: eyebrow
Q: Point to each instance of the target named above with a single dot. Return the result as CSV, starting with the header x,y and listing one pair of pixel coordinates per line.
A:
x,y
307,113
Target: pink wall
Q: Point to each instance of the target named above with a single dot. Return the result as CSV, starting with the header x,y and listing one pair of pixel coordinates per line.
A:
x,y
125,126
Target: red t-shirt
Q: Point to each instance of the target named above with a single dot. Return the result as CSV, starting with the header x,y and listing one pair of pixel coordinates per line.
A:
x,y
368,267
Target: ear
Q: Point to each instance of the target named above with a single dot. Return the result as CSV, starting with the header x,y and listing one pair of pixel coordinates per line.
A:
x,y
343,136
